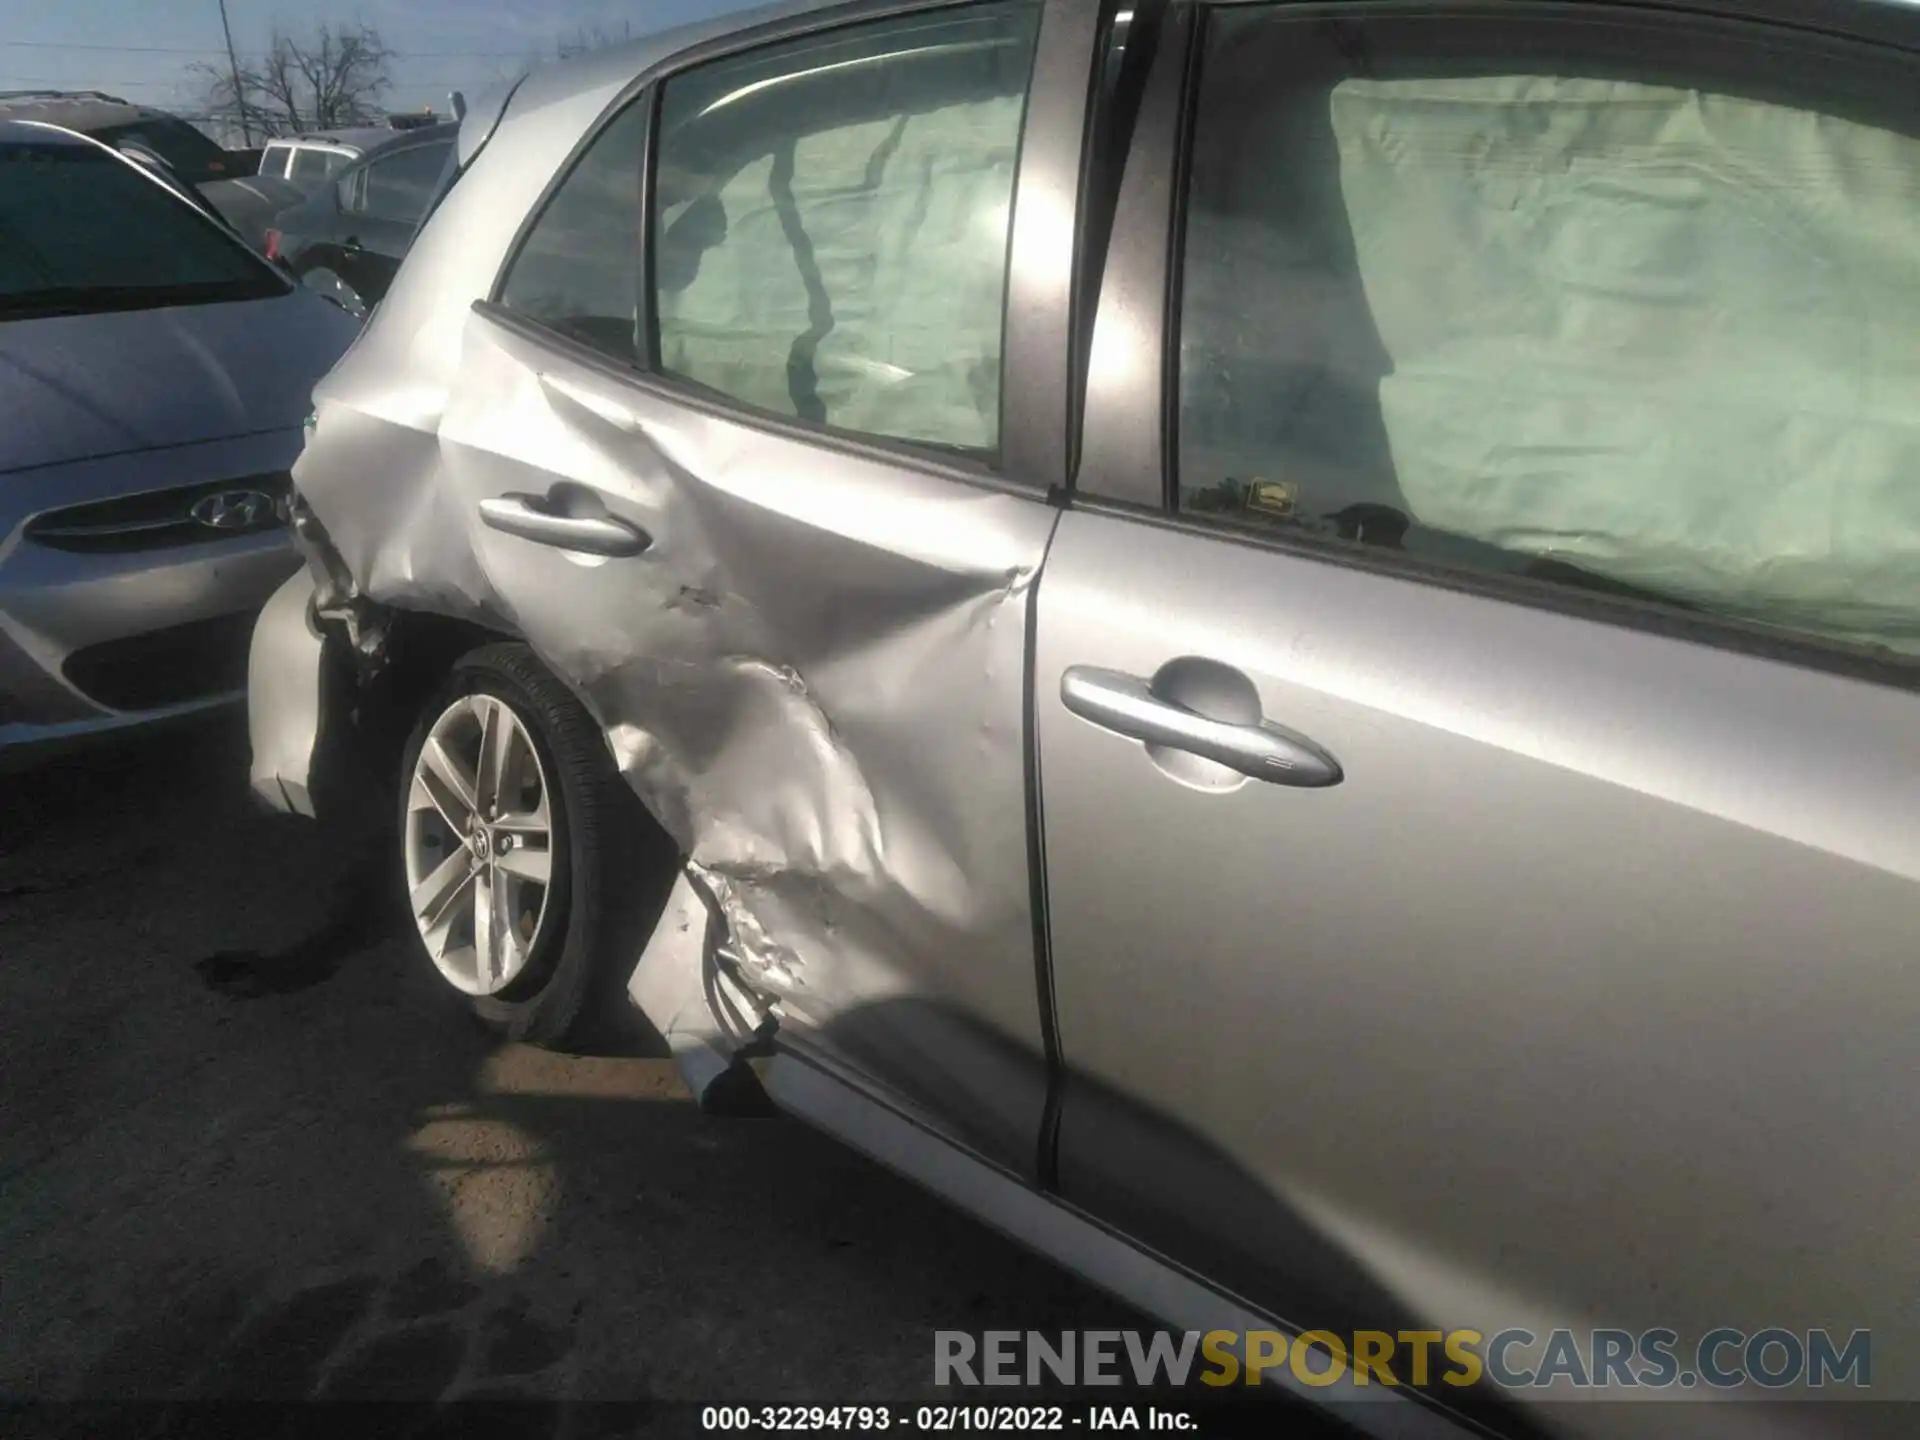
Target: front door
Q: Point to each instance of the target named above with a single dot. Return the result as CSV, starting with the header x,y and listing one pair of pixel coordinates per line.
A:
x,y
1480,787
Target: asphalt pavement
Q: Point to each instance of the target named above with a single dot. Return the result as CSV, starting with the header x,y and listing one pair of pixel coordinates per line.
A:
x,y
251,1150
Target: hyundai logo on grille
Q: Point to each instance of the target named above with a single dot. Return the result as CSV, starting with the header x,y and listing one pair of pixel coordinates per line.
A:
x,y
234,510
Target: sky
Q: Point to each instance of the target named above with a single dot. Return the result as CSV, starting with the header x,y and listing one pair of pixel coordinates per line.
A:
x,y
140,49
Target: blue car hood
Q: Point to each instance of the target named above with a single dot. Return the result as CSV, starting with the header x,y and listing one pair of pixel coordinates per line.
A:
x,y
73,387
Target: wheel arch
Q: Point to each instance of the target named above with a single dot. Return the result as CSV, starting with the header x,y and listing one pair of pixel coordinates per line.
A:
x,y
418,651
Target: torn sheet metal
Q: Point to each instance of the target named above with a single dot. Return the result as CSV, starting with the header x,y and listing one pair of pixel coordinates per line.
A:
x,y
283,717
687,984
813,676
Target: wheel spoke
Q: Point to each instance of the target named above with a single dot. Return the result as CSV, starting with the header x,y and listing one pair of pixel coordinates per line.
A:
x,y
437,929
433,895
429,793
499,734
526,822
513,950
449,784
526,863
486,929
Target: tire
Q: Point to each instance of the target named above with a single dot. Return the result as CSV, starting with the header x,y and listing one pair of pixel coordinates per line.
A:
x,y
609,866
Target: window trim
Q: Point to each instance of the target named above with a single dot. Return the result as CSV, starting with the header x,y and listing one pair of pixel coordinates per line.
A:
x,y
1892,23
1036,389
1131,444
664,387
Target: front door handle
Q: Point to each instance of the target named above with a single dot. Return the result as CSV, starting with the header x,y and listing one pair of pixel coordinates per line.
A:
x,y
529,517
1127,705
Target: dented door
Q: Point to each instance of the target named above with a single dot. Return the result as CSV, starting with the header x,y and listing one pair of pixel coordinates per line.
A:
x,y
754,451
787,570
813,677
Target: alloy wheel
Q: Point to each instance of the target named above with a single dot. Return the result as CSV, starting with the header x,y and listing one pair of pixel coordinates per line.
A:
x,y
479,844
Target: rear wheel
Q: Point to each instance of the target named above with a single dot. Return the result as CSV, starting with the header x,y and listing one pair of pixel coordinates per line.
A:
x,y
524,855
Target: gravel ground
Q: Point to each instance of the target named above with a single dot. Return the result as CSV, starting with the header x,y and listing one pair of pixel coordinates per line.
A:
x,y
250,1150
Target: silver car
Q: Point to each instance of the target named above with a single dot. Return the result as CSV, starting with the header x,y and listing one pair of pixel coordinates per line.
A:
x,y
154,376
1273,645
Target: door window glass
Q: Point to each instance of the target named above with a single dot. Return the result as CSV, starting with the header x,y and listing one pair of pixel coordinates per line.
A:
x,y
1616,309
397,187
274,160
831,226
578,270
311,166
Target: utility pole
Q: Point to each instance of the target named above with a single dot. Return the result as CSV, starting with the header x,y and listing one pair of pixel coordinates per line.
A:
x,y
233,68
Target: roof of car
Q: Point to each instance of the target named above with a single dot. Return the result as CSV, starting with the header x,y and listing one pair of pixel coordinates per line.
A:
x,y
21,130
1894,21
663,35
365,138
420,134
78,112
358,137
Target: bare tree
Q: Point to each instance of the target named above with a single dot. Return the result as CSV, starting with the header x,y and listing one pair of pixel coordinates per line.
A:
x,y
333,79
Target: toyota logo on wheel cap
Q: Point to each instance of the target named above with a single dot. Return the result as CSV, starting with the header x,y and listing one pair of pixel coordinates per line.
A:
x,y
233,510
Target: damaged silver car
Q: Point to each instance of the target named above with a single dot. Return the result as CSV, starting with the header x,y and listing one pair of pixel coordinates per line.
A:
x,y
1273,645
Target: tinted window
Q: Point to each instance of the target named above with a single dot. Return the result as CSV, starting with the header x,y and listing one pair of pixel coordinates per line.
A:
x,y
397,187
311,166
1529,299
273,160
66,213
832,219
188,153
579,268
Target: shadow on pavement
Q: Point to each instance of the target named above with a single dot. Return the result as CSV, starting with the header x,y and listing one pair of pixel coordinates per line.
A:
x,y
253,1152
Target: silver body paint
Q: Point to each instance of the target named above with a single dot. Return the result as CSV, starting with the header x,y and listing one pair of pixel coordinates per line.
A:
x,y
776,726
1566,1007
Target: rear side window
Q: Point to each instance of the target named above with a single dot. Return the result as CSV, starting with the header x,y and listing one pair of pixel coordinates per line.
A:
x,y
1631,310
273,160
397,187
578,270
831,224
311,166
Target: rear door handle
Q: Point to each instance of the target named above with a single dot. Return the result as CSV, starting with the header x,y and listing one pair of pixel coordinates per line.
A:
x,y
1126,705
528,517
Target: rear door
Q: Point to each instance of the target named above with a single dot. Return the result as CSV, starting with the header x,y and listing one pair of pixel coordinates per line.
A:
x,y
773,496
1478,737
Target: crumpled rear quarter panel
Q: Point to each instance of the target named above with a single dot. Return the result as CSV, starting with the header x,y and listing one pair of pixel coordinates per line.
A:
x,y
814,677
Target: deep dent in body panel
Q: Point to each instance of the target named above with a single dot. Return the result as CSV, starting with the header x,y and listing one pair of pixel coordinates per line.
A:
x,y
819,861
